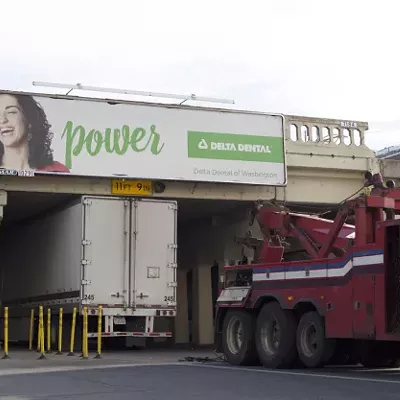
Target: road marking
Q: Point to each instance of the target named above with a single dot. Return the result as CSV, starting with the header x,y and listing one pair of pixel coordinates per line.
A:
x,y
290,373
43,370
14,398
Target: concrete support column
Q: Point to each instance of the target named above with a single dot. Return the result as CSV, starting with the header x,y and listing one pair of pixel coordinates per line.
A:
x,y
203,324
181,319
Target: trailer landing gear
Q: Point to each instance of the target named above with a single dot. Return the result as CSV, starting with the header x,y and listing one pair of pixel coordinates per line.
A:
x,y
238,338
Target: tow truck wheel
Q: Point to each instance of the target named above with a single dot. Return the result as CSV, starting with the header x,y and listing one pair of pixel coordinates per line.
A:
x,y
276,337
314,349
238,338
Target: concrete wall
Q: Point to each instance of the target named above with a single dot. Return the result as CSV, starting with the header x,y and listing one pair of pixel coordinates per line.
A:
x,y
390,169
201,245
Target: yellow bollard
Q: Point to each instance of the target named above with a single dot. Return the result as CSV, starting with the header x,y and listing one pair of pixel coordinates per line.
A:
x,y
72,338
83,333
31,325
38,336
60,327
41,327
99,331
48,333
85,349
5,345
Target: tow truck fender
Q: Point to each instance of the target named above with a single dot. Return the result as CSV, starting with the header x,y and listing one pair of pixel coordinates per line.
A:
x,y
286,304
267,298
309,305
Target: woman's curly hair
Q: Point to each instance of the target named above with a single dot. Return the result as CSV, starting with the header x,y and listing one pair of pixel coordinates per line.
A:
x,y
40,152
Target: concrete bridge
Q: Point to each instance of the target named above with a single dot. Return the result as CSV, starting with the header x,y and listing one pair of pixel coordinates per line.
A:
x,y
326,160
389,163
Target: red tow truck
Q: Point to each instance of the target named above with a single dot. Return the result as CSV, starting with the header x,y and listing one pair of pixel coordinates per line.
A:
x,y
320,292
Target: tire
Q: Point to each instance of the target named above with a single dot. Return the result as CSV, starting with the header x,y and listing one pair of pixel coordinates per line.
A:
x,y
238,338
276,352
314,349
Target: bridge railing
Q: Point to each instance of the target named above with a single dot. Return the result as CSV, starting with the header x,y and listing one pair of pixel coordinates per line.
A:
x,y
326,132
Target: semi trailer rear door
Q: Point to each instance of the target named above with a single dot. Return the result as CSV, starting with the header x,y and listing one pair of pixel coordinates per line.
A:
x,y
153,264
105,255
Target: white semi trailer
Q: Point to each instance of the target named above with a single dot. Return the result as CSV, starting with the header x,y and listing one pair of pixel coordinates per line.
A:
x,y
119,253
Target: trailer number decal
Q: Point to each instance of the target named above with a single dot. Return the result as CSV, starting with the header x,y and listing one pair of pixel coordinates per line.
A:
x,y
88,297
168,298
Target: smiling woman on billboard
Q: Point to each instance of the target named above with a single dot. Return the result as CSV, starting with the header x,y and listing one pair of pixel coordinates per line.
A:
x,y
25,136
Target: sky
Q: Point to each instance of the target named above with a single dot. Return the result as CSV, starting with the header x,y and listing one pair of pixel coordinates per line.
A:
x,y
332,59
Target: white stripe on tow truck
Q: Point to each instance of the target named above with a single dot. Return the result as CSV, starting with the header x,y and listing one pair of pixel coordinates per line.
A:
x,y
328,272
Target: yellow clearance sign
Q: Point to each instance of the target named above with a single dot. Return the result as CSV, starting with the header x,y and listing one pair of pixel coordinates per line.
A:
x,y
126,187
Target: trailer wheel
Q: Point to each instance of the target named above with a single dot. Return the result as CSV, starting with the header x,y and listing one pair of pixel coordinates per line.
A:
x,y
238,338
276,337
314,349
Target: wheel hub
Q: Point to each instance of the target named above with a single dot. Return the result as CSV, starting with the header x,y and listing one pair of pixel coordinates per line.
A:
x,y
309,343
270,337
235,335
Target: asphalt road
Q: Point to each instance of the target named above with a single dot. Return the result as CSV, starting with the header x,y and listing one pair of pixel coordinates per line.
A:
x,y
210,381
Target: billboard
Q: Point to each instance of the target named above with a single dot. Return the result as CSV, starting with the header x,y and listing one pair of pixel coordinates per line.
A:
x,y
92,137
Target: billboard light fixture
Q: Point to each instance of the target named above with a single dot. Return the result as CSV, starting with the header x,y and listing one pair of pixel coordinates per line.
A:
x,y
79,86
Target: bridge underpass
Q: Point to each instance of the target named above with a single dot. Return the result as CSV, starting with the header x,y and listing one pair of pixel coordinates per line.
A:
x,y
326,160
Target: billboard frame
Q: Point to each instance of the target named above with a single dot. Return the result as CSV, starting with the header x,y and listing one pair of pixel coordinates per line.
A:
x,y
113,101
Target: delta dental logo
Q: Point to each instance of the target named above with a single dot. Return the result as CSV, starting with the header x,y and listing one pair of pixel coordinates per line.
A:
x,y
235,147
203,145
230,146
